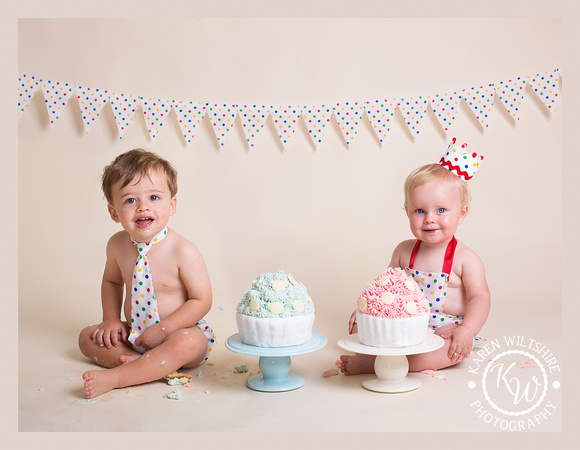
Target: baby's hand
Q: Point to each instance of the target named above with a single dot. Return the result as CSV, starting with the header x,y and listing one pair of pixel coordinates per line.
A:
x,y
151,337
352,323
461,344
110,333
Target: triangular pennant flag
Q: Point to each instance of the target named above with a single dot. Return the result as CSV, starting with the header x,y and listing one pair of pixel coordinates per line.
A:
x,y
444,107
253,118
511,94
124,108
348,115
222,119
316,117
189,116
414,110
480,101
380,114
155,112
27,87
285,119
91,103
56,96
545,85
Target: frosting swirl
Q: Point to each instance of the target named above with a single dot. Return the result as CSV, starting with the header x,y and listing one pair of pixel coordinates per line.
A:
x,y
276,295
394,295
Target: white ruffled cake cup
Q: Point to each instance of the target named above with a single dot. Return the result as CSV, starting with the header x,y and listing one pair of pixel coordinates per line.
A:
x,y
276,331
386,332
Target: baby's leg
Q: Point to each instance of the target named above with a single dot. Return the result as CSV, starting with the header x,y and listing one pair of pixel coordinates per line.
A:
x,y
103,356
356,364
434,360
186,347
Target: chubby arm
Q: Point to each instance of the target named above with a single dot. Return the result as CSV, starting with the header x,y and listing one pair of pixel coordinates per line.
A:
x,y
193,273
477,293
111,330
477,298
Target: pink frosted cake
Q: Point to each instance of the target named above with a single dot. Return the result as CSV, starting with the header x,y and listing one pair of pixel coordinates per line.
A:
x,y
392,311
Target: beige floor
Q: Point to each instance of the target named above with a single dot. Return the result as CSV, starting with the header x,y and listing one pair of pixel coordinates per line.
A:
x,y
51,393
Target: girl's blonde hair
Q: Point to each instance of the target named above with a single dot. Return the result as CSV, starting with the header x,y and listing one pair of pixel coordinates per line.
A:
x,y
137,162
430,172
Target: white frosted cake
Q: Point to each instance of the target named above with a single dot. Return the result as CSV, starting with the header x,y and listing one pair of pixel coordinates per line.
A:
x,y
392,311
276,312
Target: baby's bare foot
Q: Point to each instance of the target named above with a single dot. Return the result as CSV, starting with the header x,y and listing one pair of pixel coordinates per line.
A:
x,y
353,365
98,382
124,359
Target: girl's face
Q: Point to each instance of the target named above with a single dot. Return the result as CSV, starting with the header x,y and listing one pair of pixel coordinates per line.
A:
x,y
435,212
144,206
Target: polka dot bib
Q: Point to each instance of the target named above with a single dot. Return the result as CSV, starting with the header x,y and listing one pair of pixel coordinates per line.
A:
x,y
434,287
143,302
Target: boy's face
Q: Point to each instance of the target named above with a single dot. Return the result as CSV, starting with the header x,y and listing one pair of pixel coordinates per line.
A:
x,y
144,206
435,212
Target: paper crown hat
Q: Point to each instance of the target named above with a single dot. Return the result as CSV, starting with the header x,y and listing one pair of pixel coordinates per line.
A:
x,y
461,162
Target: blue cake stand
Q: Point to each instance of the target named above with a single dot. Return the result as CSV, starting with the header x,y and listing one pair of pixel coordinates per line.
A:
x,y
275,363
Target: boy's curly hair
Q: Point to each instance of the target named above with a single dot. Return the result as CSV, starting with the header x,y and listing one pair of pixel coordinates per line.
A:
x,y
136,163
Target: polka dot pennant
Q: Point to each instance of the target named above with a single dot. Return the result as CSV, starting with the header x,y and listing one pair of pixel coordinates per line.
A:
x,y
480,101
545,85
124,108
285,119
222,119
155,112
348,115
511,94
414,110
253,119
445,107
56,96
27,87
316,118
189,116
381,114
91,103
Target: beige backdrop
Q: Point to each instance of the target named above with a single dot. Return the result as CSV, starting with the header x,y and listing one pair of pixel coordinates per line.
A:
x,y
330,215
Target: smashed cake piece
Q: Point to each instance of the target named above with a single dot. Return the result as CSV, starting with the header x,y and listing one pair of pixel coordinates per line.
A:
x,y
177,378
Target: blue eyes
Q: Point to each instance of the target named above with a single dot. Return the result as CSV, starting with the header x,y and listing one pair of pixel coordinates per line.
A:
x,y
131,201
439,211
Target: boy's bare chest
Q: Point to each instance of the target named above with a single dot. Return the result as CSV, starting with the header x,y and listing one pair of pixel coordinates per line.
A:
x,y
164,275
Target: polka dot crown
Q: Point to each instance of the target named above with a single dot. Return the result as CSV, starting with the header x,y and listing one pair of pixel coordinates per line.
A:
x,y
461,162
393,295
276,295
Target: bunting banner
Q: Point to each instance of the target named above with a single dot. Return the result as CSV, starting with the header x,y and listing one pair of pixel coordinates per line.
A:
x,y
155,111
444,107
27,87
380,114
317,117
124,109
253,119
189,116
285,119
91,102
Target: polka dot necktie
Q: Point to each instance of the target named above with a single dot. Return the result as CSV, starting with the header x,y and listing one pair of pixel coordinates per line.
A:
x,y
143,303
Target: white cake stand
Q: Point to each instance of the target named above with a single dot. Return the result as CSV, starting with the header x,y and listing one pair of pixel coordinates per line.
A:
x,y
275,363
391,365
